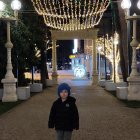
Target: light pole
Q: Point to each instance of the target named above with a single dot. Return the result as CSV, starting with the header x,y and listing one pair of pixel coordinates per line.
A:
x,y
99,62
9,82
133,80
126,4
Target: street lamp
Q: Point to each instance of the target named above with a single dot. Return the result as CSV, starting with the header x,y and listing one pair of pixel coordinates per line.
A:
x,y
2,6
99,62
133,80
126,4
9,82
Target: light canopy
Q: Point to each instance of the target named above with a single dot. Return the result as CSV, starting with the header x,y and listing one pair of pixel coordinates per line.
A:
x,y
71,14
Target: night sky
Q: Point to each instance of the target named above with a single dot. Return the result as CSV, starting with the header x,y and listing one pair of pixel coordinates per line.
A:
x,y
64,50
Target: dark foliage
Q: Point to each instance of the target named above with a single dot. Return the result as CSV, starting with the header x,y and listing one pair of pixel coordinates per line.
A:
x,y
27,35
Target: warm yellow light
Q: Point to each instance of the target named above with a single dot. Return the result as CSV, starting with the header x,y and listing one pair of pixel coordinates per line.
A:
x,y
107,44
71,15
116,38
72,56
99,48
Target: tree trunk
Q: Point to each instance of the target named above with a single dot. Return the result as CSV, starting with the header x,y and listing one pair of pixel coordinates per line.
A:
x,y
43,68
123,44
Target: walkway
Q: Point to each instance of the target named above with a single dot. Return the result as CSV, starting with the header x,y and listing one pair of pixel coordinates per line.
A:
x,y
102,117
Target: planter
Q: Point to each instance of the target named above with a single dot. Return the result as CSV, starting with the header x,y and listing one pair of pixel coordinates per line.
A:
x,y
102,83
36,87
110,86
122,93
23,93
121,84
49,82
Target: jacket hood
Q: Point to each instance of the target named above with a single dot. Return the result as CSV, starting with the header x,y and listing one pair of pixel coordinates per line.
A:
x,y
64,86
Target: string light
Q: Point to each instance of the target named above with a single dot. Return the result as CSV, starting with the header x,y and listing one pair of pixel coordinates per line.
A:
x,y
108,53
107,44
71,15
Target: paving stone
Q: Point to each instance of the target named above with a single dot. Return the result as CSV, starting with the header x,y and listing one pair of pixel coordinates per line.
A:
x,y
102,117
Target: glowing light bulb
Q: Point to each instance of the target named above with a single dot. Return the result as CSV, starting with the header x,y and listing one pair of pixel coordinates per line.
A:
x,y
126,4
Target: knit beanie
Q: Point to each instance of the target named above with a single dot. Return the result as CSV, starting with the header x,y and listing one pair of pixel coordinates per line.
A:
x,y
64,86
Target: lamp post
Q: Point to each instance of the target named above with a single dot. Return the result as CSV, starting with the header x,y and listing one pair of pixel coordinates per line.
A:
x,y
133,80
99,62
126,4
9,82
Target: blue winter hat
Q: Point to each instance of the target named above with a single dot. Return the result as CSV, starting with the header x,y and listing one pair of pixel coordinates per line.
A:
x,y
64,86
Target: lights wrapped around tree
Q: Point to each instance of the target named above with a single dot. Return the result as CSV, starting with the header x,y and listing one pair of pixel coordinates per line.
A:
x,y
71,14
110,51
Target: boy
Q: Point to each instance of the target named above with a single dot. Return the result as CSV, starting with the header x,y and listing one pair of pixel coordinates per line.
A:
x,y
64,114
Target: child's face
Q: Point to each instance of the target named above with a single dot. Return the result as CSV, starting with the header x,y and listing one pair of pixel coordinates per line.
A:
x,y
64,94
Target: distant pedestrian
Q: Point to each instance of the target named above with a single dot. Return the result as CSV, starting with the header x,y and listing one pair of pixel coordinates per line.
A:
x,y
64,115
88,75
